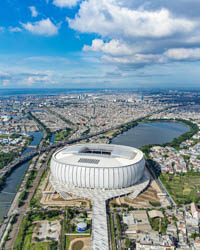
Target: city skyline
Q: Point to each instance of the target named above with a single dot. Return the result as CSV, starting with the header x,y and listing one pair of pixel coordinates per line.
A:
x,y
99,44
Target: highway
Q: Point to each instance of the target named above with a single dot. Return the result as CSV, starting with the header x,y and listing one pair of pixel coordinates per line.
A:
x,y
17,161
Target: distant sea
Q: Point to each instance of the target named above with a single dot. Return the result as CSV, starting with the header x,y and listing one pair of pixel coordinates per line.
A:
x,y
34,91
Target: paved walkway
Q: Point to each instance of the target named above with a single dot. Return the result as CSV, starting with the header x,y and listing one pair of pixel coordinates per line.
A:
x,y
100,239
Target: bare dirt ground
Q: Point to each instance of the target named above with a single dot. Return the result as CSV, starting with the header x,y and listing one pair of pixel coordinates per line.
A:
x,y
85,240
144,199
54,199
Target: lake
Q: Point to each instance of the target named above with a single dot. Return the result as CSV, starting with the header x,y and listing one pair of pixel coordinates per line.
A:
x,y
151,133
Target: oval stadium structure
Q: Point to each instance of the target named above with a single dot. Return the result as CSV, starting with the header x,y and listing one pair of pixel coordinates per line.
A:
x,y
97,166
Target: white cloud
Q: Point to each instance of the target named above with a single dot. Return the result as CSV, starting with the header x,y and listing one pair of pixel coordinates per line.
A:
x,y
1,28
44,27
18,77
183,54
130,34
5,82
134,59
48,59
108,18
33,10
65,3
30,81
15,29
114,47
3,74
37,78
119,52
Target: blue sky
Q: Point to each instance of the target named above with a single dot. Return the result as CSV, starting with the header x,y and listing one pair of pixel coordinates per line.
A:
x,y
99,43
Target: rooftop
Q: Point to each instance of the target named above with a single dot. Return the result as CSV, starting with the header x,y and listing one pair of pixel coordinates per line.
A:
x,y
98,155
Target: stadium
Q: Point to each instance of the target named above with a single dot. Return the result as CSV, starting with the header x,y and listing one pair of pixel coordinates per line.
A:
x,y
98,172
97,166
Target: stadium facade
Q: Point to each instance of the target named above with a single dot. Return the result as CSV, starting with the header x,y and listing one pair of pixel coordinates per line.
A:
x,y
98,166
98,172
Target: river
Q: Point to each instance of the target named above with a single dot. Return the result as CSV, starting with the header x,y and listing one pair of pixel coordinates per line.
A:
x,y
8,192
53,137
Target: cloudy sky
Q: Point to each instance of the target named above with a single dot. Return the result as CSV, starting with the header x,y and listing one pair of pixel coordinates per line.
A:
x,y
99,43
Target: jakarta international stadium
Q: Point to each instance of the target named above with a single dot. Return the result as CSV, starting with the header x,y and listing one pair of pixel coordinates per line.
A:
x,y
98,172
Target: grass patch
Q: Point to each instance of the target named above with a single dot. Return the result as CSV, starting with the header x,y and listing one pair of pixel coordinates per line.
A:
x,y
112,233
35,201
155,203
159,224
18,245
187,190
41,246
110,133
61,135
67,242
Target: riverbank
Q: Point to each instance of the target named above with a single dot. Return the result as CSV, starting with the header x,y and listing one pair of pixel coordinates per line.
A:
x,y
175,143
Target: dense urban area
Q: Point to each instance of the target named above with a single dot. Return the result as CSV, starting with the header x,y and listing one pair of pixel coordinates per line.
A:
x,y
165,216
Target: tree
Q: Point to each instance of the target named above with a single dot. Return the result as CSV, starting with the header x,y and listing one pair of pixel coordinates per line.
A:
x,y
36,239
85,214
128,243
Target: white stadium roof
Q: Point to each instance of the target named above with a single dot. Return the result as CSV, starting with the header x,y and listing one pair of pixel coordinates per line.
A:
x,y
98,155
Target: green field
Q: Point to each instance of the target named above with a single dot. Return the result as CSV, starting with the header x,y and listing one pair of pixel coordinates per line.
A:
x,y
184,188
61,135
159,224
